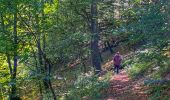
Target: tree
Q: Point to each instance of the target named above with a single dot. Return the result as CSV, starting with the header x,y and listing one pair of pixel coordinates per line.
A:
x,y
95,38
15,39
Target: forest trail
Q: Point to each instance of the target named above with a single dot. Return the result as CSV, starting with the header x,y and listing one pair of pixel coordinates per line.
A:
x,y
124,88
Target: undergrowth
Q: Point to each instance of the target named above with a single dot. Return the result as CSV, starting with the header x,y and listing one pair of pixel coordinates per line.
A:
x,y
160,92
154,65
88,87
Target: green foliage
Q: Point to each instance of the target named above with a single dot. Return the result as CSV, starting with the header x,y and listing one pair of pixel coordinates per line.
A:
x,y
160,92
89,87
5,77
69,47
144,62
146,21
138,69
63,26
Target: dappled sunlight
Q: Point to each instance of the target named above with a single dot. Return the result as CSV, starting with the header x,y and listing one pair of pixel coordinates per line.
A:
x,y
108,64
122,77
167,53
124,88
84,49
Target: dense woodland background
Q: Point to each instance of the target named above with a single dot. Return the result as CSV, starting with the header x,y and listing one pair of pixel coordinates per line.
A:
x,y
57,49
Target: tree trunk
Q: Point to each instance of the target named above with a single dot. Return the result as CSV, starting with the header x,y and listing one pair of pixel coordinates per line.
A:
x,y
9,63
45,65
13,77
95,54
109,47
49,81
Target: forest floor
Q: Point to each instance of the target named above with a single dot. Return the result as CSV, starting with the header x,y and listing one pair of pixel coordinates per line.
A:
x,y
124,88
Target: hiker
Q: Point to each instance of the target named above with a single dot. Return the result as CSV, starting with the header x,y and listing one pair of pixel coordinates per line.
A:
x,y
117,59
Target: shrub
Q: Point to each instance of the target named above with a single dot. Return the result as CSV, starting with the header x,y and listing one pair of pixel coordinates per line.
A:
x,y
88,87
160,92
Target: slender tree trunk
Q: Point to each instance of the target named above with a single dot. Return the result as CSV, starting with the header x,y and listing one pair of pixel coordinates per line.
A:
x,y
95,38
168,12
50,86
38,71
13,77
12,95
40,87
109,46
40,58
45,65
9,63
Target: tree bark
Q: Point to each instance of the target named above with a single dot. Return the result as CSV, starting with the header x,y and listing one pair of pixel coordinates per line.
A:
x,y
15,43
9,63
45,65
95,54
109,47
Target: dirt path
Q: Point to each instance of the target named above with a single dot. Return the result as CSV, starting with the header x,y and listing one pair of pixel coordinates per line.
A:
x,y
123,88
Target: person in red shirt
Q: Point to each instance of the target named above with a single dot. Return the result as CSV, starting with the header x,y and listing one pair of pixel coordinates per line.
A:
x,y
117,59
